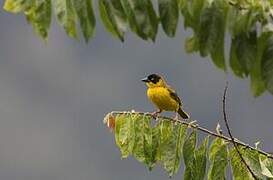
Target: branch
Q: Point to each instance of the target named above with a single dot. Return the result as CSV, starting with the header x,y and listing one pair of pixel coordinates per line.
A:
x,y
194,126
231,137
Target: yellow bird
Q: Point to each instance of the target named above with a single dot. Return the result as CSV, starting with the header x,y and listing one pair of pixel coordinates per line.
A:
x,y
163,97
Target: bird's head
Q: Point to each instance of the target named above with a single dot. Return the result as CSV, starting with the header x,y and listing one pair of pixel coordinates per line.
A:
x,y
154,80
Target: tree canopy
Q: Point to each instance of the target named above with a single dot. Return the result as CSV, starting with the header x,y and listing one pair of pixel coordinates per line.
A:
x,y
248,23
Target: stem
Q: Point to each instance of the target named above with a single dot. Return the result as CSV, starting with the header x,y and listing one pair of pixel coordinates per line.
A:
x,y
231,137
197,127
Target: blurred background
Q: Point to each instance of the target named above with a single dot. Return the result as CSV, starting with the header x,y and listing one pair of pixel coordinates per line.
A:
x,y
54,95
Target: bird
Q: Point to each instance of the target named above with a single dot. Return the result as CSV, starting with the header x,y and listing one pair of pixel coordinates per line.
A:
x,y
163,96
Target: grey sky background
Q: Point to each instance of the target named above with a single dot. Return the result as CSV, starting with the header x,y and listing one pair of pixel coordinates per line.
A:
x,y
53,97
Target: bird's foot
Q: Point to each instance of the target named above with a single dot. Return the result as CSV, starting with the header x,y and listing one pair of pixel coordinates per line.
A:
x,y
155,114
192,123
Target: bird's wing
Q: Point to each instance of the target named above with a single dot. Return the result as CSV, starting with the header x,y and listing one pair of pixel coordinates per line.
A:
x,y
174,96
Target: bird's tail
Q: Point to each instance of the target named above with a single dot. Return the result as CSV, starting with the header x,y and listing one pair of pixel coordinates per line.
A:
x,y
183,114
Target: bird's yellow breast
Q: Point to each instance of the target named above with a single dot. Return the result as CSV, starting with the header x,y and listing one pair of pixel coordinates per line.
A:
x,y
160,96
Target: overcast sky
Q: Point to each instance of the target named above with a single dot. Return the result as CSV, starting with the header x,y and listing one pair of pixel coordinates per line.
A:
x,y
54,95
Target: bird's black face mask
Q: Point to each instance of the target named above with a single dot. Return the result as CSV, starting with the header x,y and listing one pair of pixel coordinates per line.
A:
x,y
154,78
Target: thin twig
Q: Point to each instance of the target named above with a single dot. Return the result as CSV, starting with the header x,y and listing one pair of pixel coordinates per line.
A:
x,y
231,137
195,126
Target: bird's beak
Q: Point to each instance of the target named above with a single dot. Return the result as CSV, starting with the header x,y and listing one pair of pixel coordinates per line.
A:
x,y
145,80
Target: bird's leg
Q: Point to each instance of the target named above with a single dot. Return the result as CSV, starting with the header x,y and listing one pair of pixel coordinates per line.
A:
x,y
176,118
155,114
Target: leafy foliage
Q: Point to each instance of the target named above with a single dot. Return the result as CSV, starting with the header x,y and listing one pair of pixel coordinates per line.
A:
x,y
66,16
195,158
114,18
165,143
84,11
39,16
168,14
218,159
171,137
249,24
239,172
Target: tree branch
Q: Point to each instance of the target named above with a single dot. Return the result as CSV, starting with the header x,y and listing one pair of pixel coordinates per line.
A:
x,y
194,126
231,137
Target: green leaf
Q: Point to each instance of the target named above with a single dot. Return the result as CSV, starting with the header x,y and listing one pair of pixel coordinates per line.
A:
x,y
267,65
105,17
85,13
188,154
171,141
155,145
195,159
39,16
153,20
259,165
212,32
191,44
196,11
235,65
113,17
257,83
266,166
203,35
184,6
16,6
218,160
144,140
121,134
192,11
151,143
125,134
66,16
200,160
252,159
239,170
138,149
241,22
168,13
142,18
243,53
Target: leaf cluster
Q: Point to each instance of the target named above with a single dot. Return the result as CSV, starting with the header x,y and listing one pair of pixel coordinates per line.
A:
x,y
247,22
168,144
68,12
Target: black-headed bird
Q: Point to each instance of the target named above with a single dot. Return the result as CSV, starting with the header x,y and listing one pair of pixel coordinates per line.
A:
x,y
163,96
